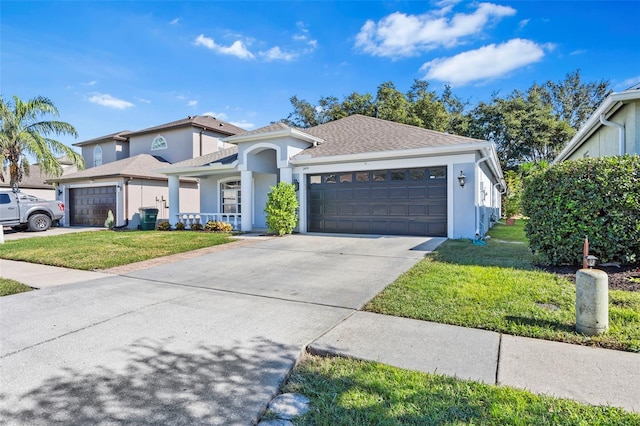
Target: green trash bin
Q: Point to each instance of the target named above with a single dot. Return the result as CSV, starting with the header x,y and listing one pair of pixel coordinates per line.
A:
x,y
148,217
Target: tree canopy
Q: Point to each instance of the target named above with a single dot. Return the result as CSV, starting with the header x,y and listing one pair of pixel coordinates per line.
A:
x,y
526,126
23,132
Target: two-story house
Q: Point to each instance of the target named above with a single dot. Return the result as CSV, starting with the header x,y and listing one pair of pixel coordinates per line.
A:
x,y
120,174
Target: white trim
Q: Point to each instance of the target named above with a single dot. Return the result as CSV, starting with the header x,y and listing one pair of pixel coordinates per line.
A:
x,y
199,170
385,155
262,146
219,182
610,105
294,133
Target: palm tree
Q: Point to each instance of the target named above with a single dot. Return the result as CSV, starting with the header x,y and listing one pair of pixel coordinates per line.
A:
x,y
22,132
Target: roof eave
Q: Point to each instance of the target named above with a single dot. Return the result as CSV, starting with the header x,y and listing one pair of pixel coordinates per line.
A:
x,y
295,133
384,155
610,105
205,169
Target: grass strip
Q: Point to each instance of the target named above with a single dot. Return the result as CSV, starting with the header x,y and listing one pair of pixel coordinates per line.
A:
x,y
8,287
106,249
496,287
351,392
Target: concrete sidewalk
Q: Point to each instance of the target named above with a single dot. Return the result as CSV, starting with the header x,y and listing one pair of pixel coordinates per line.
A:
x,y
590,375
44,276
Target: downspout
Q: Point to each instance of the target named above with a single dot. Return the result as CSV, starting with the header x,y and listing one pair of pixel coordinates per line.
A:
x,y
620,131
201,142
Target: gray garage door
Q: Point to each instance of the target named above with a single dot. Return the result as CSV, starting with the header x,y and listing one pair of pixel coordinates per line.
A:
x,y
90,206
392,202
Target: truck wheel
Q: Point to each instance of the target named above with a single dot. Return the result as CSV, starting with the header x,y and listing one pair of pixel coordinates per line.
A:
x,y
39,222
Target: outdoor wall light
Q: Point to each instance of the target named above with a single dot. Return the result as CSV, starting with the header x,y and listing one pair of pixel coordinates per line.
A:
x,y
462,179
591,261
59,192
296,185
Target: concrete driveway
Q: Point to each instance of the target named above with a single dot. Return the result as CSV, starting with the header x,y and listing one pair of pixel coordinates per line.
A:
x,y
206,340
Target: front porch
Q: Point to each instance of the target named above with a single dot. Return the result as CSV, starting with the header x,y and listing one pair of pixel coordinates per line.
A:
x,y
189,218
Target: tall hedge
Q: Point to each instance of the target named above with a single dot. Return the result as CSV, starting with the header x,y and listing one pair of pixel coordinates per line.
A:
x,y
282,209
594,197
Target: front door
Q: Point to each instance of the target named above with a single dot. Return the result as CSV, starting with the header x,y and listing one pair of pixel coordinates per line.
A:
x,y
231,197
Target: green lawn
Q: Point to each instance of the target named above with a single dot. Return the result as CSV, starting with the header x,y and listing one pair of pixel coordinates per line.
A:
x,y
106,249
496,287
8,287
351,392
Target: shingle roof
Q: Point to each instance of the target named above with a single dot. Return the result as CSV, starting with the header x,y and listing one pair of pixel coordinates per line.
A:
x,y
225,156
119,136
274,127
142,165
358,134
36,179
211,123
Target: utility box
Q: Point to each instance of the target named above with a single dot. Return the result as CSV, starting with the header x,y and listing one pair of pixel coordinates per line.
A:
x,y
148,218
592,302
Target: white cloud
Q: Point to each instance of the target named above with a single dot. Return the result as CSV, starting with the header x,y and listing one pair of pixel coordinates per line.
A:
x,y
399,34
175,21
145,101
192,103
578,52
109,101
243,124
629,82
523,23
485,63
219,115
275,53
237,49
89,83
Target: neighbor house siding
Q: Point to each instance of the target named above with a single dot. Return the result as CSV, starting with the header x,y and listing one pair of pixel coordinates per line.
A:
x,y
182,144
109,153
605,140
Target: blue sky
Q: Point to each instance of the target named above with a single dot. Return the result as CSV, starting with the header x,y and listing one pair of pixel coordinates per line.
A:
x,y
111,66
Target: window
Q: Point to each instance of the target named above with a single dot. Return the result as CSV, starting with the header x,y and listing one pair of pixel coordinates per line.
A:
x,y
230,192
330,178
417,174
397,174
97,156
438,173
159,142
362,177
4,199
346,177
380,176
314,180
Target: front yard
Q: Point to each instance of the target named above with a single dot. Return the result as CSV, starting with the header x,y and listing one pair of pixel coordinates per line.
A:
x,y
497,287
351,392
106,249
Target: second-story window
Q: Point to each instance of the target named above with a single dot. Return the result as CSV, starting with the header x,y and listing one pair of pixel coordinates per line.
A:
x,y
97,156
159,142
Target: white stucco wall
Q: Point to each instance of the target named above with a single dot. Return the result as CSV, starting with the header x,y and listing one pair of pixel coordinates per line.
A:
x,y
182,144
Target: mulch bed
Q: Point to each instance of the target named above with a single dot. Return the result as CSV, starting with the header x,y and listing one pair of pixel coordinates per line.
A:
x,y
619,278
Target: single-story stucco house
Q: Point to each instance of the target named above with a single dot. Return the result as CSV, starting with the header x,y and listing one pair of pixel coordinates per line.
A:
x,y
37,183
358,174
121,176
613,129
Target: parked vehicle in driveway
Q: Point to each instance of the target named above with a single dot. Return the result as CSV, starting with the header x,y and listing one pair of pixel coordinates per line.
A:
x,y
21,211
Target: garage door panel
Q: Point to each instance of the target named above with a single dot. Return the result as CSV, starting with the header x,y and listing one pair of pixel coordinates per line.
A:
x,y
90,206
398,201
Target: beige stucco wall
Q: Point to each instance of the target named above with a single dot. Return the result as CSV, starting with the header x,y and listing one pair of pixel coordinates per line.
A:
x,y
182,144
146,193
605,140
109,153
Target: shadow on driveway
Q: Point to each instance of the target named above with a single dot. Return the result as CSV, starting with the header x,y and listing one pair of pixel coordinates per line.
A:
x,y
159,386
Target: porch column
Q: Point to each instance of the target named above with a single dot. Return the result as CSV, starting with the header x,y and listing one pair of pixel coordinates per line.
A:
x,y
174,198
286,174
246,200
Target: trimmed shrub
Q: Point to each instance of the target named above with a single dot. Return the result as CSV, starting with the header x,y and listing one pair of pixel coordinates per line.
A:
x,y
598,198
110,222
179,226
196,226
217,226
164,226
282,209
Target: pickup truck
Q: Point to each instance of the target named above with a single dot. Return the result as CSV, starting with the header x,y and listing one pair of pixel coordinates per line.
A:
x,y
22,211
